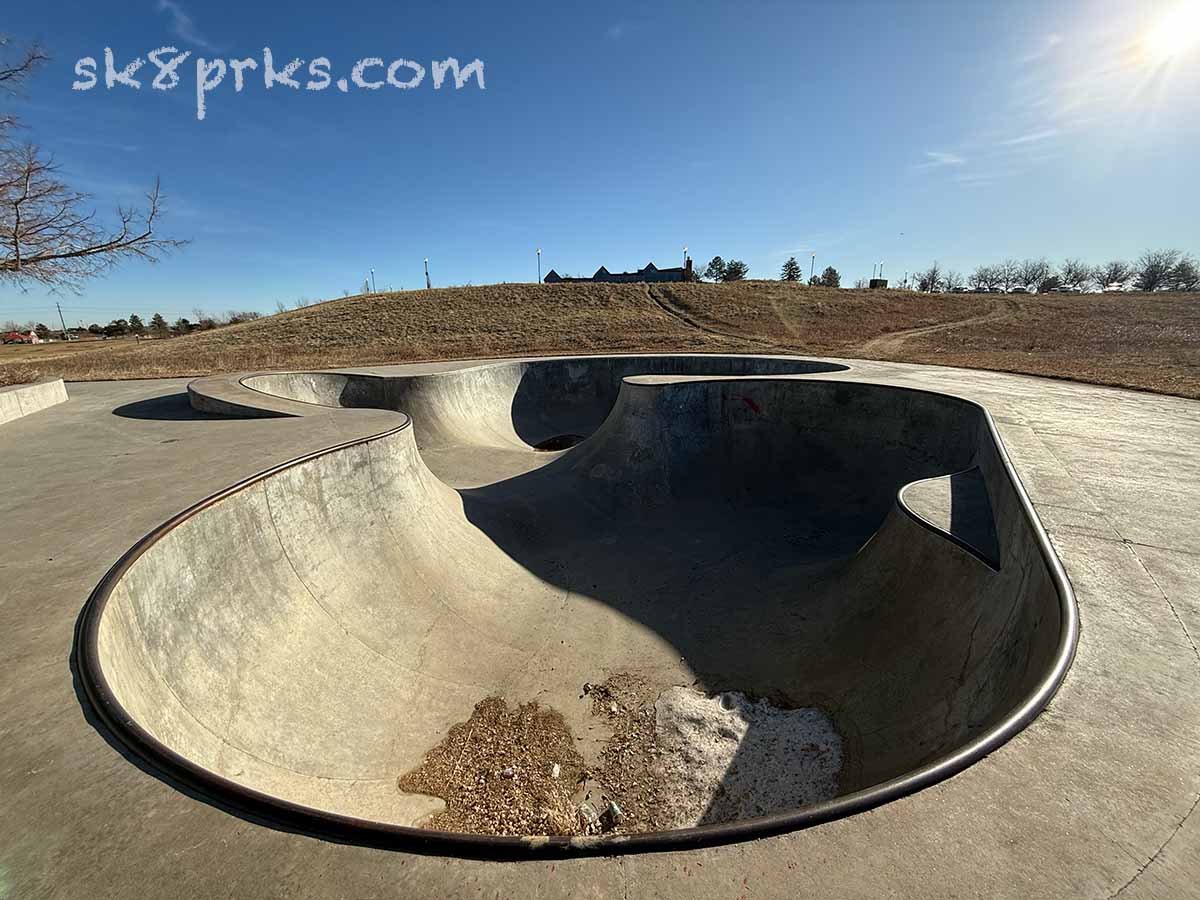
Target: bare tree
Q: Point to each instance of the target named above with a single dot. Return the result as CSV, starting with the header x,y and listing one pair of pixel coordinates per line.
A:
x,y
931,279
1152,271
1113,274
985,278
1008,274
952,280
48,236
1074,273
1185,276
1033,272
14,71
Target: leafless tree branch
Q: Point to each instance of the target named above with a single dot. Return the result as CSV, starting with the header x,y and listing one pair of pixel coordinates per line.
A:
x,y
48,233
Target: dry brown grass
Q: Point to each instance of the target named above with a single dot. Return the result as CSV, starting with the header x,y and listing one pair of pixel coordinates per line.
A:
x,y
1149,342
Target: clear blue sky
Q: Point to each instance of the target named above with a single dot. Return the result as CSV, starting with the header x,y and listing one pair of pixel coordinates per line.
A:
x,y
863,131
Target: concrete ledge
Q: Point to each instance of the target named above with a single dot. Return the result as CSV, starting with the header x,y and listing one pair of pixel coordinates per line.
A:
x,y
26,399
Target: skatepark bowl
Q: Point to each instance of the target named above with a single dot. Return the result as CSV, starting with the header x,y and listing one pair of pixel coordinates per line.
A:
x,y
290,646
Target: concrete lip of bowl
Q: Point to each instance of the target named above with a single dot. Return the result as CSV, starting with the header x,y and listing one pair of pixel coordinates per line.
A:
x,y
291,645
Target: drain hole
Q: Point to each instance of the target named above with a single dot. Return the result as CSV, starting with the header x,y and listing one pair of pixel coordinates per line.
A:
x,y
558,442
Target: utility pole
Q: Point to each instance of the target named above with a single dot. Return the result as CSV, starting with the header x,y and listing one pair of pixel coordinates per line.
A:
x,y
62,320
373,281
427,283
539,265
812,267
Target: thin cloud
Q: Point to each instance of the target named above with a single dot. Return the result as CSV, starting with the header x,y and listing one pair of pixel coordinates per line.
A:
x,y
1031,138
982,179
100,144
940,159
615,31
182,25
1048,43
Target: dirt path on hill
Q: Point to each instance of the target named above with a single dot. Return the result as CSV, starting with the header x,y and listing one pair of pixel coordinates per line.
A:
x,y
670,309
889,344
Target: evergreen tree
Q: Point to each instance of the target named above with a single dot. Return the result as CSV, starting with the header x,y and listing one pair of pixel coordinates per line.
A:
x,y
735,270
715,270
135,324
791,270
159,325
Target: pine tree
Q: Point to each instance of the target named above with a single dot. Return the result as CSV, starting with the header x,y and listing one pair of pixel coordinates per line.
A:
x,y
715,270
791,270
135,324
735,270
158,325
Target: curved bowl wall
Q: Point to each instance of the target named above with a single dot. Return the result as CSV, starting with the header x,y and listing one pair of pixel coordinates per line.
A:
x,y
293,644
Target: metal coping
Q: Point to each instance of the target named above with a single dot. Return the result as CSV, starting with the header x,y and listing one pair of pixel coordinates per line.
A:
x,y
329,825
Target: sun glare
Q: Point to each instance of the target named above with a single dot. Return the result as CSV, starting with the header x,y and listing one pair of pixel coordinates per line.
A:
x,y
1173,33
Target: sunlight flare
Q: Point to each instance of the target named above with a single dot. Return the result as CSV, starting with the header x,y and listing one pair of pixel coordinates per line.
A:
x,y
1174,33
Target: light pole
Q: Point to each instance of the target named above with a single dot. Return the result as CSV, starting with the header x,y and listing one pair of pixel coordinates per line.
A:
x,y
685,256
539,265
812,267
373,281
427,284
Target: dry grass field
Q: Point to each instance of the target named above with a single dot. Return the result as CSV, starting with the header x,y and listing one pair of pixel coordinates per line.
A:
x,y
37,354
1143,341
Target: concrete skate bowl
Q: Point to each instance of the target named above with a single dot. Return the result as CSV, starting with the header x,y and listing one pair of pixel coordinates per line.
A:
x,y
509,408
290,646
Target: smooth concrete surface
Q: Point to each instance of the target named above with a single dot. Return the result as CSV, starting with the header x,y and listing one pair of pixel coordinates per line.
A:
x,y
312,635
1094,799
21,400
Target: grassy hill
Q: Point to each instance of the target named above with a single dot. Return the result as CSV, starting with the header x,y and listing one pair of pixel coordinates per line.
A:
x,y
1146,341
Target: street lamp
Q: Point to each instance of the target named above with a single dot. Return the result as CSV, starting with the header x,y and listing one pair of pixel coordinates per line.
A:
x,y
539,254
685,256
427,284
812,267
373,281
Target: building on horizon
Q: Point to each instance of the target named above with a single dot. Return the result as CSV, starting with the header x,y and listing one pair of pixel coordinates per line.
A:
x,y
649,272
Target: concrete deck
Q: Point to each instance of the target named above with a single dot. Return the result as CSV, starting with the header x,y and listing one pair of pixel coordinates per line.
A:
x,y
1093,799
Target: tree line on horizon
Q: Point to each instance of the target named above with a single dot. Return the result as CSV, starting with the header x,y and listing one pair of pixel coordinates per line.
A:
x,y
1154,270
157,327
736,270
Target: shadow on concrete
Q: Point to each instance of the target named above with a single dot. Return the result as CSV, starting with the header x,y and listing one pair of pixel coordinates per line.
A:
x,y
751,525
971,517
171,408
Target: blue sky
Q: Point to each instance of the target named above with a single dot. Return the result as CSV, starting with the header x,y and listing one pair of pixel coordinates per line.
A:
x,y
863,131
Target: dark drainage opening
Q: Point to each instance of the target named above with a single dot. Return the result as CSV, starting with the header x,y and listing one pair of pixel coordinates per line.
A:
x,y
558,442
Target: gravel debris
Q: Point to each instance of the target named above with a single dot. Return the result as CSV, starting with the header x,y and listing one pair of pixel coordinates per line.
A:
x,y
494,773
676,758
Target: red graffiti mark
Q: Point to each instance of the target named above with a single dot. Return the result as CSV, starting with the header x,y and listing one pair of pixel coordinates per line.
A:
x,y
750,403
